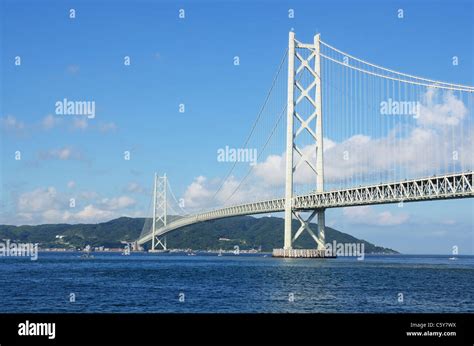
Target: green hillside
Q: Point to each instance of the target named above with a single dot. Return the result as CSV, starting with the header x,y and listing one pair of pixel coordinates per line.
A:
x,y
245,231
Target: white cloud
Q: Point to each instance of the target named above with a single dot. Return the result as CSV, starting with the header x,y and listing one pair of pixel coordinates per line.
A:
x,y
80,123
50,121
450,110
197,193
366,215
12,124
272,169
107,127
48,205
39,200
65,153
73,69
88,195
71,184
94,214
56,216
201,193
134,187
24,218
88,214
449,222
117,202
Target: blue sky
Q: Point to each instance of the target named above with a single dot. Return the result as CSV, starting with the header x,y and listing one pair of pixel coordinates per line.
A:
x,y
190,61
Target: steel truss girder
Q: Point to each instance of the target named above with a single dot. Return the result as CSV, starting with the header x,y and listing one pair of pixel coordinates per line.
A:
x,y
432,188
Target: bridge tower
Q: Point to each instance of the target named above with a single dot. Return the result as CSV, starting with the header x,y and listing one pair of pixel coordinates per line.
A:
x,y
159,212
303,58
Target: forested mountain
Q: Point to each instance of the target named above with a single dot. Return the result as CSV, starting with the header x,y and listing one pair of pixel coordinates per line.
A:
x,y
247,232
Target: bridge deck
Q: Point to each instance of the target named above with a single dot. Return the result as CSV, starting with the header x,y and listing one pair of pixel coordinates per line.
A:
x,y
432,188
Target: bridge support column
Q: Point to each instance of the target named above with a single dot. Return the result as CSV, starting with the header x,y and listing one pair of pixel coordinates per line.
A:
x,y
289,142
319,238
159,212
159,242
300,63
321,228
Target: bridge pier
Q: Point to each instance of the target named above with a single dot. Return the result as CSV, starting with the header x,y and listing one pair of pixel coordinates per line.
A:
x,y
319,238
301,253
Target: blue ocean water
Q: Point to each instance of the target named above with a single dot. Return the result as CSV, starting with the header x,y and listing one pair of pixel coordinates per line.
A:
x,y
245,283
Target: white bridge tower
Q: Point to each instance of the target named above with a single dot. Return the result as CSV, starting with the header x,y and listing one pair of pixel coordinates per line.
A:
x,y
310,65
159,212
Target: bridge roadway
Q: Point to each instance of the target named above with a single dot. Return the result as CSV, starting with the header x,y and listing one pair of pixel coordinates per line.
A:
x,y
449,186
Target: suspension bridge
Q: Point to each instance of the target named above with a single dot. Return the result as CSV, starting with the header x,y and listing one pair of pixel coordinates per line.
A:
x,y
356,134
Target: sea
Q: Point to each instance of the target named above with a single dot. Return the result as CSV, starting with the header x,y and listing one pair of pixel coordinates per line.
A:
x,y
244,283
